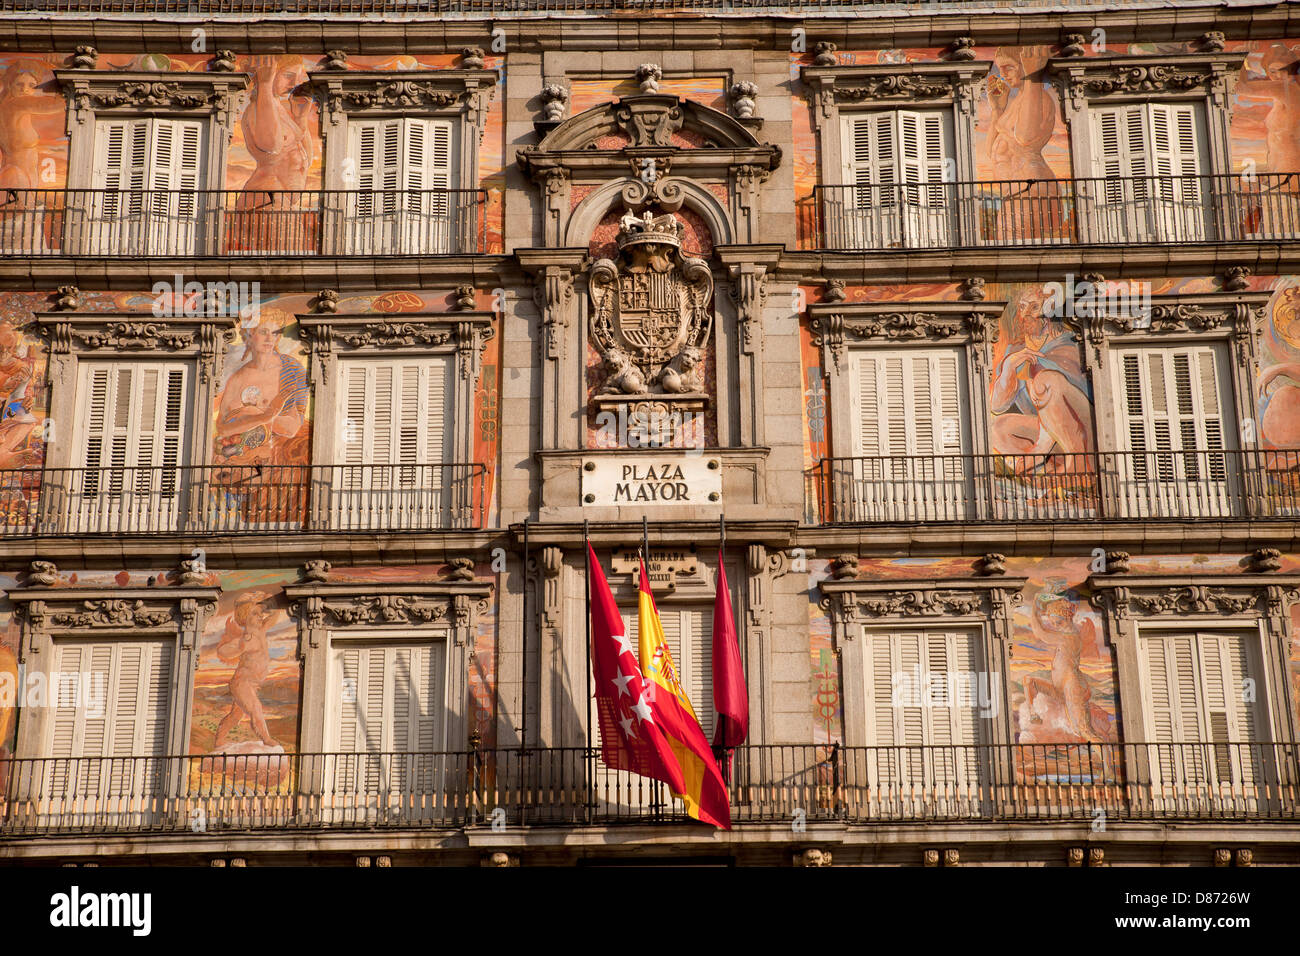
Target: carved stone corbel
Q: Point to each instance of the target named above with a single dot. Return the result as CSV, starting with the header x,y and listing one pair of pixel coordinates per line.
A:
x,y
553,294
552,562
749,291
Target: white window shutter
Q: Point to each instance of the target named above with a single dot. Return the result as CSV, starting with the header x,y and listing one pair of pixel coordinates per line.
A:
x,y
904,400
134,414
391,698
1120,149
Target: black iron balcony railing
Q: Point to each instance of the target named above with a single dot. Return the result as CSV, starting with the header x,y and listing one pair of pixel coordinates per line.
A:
x,y
172,222
569,786
1055,212
1108,485
242,499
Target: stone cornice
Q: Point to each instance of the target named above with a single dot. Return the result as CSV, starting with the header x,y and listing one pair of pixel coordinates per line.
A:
x,y
893,84
69,332
84,611
464,333
406,92
1184,596
456,605
911,599
102,91
834,324
1118,78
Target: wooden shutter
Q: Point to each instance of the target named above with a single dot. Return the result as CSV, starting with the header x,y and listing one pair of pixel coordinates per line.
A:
x,y
1195,695
871,160
953,719
909,403
175,170
1120,150
898,147
132,680
133,415
395,413
390,699
1173,400
120,168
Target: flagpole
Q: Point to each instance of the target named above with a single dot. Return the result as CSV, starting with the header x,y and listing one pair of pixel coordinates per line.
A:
x,y
588,763
645,542
523,695
722,556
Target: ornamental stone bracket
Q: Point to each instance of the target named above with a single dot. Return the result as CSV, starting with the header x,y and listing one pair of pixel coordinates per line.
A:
x,y
750,270
897,84
852,602
835,325
321,607
107,92
554,273
84,612
346,92
1235,315
1118,78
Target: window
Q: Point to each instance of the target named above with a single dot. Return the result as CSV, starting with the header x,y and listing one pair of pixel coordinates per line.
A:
x,y
387,726
689,632
1149,159
923,708
1201,711
395,443
145,180
404,175
1175,427
912,435
131,437
109,728
898,164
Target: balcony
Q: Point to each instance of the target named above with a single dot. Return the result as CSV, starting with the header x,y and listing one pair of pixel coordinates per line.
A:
x,y
147,223
1054,212
242,500
1092,486
569,787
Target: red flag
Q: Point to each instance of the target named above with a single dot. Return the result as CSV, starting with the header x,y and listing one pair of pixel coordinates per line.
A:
x,y
730,696
630,737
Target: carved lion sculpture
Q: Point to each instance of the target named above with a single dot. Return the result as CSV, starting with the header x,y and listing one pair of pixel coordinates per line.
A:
x,y
623,375
682,374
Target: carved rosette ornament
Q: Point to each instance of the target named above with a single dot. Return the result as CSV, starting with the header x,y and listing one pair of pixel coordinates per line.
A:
x,y
651,314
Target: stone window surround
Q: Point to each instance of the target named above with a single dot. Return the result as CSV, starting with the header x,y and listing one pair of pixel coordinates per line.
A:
x,y
46,615
1233,317
74,336
329,612
1130,603
459,95
840,328
101,94
985,603
1164,77
836,90
330,337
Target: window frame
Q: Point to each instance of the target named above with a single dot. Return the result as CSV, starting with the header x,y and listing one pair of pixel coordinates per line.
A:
x,y
842,329
1085,82
1232,318
984,604
1132,602
331,612
215,97
48,615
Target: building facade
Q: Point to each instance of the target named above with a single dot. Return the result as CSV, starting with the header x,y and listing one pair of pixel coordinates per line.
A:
x,y
969,343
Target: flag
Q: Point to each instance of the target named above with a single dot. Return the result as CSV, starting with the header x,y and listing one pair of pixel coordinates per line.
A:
x,y
630,738
730,696
703,792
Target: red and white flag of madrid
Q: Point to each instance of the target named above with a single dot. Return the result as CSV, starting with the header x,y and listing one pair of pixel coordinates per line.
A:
x,y
630,736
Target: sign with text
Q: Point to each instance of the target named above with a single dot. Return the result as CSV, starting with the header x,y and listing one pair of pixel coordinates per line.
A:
x,y
664,567
652,479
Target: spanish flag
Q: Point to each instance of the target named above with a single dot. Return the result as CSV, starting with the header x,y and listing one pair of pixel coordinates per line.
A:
x,y
704,793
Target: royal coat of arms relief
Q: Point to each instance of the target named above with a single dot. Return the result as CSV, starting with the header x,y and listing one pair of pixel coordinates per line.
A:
x,y
651,318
